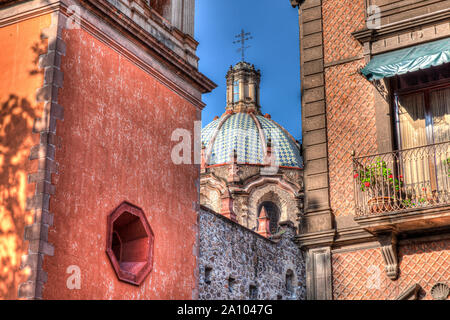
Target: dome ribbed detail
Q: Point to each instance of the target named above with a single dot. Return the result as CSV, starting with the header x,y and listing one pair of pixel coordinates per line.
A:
x,y
248,134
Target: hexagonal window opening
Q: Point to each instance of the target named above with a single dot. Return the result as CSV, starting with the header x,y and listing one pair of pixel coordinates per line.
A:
x,y
130,243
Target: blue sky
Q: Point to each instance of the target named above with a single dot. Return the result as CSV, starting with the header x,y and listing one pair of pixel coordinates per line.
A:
x,y
274,50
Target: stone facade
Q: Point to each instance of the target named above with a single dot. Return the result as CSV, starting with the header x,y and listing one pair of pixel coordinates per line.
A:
x,y
236,263
248,160
281,189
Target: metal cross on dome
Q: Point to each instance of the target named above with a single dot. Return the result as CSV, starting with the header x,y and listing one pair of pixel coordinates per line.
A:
x,y
244,36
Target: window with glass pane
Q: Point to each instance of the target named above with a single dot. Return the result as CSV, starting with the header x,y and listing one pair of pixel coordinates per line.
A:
x,y
423,126
236,91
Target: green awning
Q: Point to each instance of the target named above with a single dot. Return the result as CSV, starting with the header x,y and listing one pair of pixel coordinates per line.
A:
x,y
408,60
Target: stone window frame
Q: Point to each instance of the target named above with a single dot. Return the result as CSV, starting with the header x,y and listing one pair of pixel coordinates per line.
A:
x,y
136,270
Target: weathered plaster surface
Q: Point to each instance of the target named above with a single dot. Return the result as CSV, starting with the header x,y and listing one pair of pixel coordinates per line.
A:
x,y
20,78
116,146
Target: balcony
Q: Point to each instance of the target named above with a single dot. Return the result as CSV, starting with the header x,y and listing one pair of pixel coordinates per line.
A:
x,y
403,190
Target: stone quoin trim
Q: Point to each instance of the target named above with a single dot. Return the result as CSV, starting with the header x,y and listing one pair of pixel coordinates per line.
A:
x,y
44,153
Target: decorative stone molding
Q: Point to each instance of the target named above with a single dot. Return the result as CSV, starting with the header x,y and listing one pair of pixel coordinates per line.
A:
x,y
412,293
227,209
159,38
407,32
44,154
318,274
130,243
252,184
440,291
210,197
388,247
234,171
285,202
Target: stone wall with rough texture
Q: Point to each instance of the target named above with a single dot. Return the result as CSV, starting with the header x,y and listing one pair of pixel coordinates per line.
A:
x,y
226,249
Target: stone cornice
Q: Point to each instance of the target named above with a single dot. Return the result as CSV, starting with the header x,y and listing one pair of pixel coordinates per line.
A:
x,y
356,236
177,66
144,65
316,239
10,15
150,42
370,35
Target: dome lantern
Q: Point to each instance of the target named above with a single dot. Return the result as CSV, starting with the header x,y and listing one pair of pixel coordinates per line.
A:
x,y
243,88
249,161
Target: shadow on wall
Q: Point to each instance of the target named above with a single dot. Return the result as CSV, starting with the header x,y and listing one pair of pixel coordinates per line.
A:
x,y
17,116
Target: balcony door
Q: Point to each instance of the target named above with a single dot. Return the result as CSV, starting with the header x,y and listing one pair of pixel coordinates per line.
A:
x,y
423,132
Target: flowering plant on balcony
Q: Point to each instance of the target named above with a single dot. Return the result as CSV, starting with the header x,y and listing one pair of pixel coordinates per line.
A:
x,y
411,203
447,162
377,179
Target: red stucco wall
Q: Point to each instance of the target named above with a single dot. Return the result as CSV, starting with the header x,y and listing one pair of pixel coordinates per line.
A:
x,y
19,79
115,145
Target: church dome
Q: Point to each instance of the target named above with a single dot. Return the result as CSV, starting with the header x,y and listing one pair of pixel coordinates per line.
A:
x,y
249,134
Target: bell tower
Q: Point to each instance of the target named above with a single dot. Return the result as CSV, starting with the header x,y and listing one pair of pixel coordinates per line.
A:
x,y
243,88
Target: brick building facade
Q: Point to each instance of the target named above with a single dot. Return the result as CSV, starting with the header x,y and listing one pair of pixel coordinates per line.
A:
x,y
377,218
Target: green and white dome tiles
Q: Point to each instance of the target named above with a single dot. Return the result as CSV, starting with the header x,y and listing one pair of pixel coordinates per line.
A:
x,y
248,135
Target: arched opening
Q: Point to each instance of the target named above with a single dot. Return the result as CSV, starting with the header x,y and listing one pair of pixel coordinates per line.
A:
x,y
273,213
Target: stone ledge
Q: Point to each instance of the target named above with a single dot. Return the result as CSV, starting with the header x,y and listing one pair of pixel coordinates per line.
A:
x,y
316,239
412,220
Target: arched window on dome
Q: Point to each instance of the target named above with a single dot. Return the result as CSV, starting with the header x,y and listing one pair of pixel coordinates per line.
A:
x,y
273,213
236,91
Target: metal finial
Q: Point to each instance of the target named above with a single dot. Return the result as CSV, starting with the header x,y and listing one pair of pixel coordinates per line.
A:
x,y
243,37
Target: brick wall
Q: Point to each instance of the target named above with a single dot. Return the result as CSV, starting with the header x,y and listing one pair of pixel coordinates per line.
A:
x,y
351,127
340,19
360,275
349,99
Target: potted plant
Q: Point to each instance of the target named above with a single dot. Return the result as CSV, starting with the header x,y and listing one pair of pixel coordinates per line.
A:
x,y
380,184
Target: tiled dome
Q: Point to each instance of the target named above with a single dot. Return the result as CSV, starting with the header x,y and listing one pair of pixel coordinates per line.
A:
x,y
246,133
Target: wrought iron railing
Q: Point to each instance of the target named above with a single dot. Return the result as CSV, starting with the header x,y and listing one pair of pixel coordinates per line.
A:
x,y
409,179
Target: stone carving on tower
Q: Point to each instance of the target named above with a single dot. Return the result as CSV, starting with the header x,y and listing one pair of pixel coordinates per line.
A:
x,y
251,166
